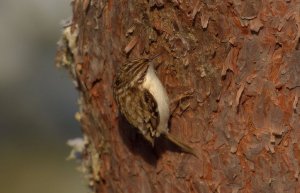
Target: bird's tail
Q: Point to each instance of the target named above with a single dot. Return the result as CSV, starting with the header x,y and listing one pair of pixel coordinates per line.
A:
x,y
185,148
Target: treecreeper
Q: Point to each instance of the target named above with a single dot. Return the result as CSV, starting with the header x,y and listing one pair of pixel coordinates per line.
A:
x,y
143,100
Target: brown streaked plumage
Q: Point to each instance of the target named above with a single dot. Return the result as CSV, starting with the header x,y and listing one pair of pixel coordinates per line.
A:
x,y
143,100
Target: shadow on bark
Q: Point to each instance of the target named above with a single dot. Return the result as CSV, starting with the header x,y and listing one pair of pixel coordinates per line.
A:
x,y
136,143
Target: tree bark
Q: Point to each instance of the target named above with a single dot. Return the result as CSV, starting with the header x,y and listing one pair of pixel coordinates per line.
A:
x,y
239,64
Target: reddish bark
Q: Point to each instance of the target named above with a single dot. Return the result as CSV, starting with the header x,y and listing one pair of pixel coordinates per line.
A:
x,y
241,62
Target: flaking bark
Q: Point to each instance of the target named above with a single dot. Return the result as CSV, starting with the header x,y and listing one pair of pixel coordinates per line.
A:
x,y
240,63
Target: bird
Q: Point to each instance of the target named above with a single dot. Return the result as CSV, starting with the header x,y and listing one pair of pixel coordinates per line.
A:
x,y
143,100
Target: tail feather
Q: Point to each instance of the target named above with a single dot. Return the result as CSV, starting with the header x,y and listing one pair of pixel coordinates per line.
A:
x,y
184,147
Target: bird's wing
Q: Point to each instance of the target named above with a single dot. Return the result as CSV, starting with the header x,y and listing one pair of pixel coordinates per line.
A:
x,y
152,118
140,110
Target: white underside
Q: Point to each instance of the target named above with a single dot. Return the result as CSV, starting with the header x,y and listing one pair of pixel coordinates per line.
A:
x,y
155,87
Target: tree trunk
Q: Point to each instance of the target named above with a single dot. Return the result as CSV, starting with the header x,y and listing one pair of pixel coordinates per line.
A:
x,y
237,61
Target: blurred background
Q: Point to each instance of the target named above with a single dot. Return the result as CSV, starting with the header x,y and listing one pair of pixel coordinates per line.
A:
x,y
37,101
